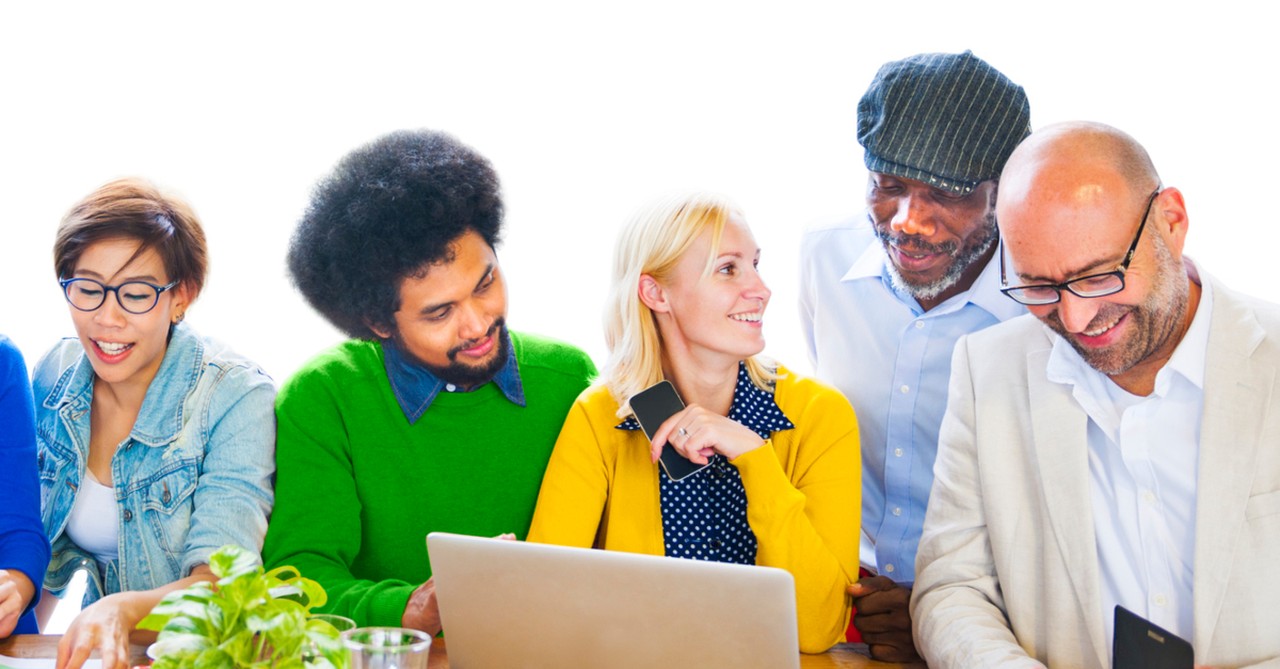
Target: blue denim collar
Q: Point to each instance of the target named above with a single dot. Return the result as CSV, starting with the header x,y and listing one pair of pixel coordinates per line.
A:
x,y
751,406
415,387
160,419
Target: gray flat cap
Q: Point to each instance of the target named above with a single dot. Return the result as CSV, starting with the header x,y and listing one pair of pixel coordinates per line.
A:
x,y
948,120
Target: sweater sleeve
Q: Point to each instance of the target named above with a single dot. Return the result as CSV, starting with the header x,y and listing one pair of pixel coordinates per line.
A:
x,y
803,503
316,525
574,488
23,546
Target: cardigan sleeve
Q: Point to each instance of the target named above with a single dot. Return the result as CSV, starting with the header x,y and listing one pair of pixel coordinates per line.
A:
x,y
804,503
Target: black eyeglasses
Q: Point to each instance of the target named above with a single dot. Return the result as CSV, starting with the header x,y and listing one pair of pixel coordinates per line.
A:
x,y
1093,285
135,297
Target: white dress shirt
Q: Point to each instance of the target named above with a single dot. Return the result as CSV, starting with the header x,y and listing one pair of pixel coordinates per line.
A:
x,y
1143,464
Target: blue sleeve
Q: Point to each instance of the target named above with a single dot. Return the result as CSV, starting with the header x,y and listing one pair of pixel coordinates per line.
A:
x,y
23,545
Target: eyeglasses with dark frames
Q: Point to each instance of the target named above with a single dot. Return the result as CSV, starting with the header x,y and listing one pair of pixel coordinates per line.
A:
x,y
135,297
1092,285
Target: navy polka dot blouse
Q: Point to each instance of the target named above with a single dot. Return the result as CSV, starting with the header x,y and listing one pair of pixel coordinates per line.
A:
x,y
704,516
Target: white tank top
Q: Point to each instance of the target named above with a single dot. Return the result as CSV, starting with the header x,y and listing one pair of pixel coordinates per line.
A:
x,y
92,524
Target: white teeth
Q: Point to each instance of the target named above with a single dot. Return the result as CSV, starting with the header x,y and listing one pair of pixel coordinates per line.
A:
x,y
753,317
1098,331
112,348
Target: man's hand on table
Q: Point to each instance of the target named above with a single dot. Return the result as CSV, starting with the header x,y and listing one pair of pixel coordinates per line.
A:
x,y
882,618
423,611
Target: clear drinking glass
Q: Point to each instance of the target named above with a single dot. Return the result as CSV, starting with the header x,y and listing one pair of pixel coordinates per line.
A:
x,y
340,623
387,648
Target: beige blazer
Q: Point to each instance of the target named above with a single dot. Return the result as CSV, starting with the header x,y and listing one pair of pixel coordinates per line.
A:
x,y
1007,573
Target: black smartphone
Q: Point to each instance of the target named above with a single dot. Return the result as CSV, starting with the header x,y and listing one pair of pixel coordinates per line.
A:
x,y
653,406
1142,644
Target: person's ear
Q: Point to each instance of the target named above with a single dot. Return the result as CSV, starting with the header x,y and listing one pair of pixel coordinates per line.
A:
x,y
1170,214
181,297
380,330
653,295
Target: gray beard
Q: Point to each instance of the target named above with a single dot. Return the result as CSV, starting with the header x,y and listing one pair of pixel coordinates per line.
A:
x,y
961,262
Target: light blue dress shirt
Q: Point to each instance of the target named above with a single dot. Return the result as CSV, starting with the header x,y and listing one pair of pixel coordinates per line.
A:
x,y
892,360
1143,462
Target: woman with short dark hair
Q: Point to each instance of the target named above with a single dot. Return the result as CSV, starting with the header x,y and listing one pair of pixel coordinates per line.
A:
x,y
156,445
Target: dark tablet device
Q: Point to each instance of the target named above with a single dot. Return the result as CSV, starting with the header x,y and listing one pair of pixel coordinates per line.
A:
x,y
1142,644
653,406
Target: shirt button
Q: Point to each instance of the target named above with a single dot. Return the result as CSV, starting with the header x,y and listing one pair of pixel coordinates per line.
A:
x,y
128,515
897,511
905,388
1148,497
888,569
897,452
715,543
1160,600
919,325
450,387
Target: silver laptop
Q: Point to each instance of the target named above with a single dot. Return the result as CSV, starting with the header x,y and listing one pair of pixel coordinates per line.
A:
x,y
517,604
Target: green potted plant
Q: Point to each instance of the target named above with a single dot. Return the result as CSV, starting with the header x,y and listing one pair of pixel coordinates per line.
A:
x,y
248,619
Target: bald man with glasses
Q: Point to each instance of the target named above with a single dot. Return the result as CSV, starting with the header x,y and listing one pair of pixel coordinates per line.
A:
x,y
1119,446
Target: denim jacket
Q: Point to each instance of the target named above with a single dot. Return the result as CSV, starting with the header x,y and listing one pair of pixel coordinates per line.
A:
x,y
195,472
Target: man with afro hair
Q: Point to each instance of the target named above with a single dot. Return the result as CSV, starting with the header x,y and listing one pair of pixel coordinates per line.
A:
x,y
433,416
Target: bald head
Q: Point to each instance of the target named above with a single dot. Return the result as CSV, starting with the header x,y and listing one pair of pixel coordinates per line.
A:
x,y
1073,164
1079,212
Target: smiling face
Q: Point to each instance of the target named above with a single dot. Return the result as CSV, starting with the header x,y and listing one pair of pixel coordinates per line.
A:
x,y
1115,333
126,348
937,241
451,319
1072,198
714,317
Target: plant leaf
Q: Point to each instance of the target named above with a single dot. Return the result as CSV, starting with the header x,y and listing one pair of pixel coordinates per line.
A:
x,y
231,561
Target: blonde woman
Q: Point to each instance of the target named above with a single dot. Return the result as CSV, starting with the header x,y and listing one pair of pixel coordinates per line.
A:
x,y
782,483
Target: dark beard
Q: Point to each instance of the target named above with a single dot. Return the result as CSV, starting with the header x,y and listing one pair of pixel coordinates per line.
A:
x,y
469,376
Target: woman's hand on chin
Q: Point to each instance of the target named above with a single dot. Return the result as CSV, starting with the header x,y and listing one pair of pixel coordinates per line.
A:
x,y
697,433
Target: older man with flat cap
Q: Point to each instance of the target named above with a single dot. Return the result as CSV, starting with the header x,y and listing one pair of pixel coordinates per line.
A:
x,y
1118,447
885,295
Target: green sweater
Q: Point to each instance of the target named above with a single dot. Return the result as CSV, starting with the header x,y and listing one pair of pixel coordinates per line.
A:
x,y
358,488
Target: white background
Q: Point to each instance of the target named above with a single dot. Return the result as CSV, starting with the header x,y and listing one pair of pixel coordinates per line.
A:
x,y
586,110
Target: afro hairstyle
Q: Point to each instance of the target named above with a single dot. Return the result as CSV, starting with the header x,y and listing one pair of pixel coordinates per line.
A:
x,y
389,210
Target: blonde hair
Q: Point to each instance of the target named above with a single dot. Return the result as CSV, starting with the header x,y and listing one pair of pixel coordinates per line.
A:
x,y
652,243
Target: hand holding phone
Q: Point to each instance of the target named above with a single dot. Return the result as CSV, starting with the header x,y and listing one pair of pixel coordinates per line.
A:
x,y
652,407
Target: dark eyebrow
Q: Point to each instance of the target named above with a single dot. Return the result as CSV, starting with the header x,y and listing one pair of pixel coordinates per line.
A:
x,y
488,269
90,274
1091,268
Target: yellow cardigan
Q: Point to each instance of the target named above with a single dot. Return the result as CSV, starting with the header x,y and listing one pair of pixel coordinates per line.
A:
x,y
803,496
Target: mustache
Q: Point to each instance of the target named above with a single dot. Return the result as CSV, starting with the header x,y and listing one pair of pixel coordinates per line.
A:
x,y
917,244
1108,313
499,324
